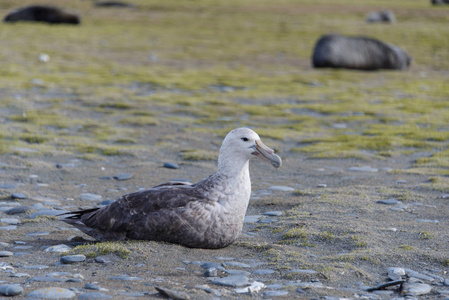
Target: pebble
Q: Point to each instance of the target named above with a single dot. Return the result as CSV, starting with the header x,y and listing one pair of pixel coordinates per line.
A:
x,y
389,202
106,259
252,219
237,272
170,165
233,281
10,221
20,275
58,248
18,196
427,221
123,176
38,233
125,278
7,186
235,264
173,294
208,265
90,197
395,273
416,289
44,279
253,288
47,212
18,210
51,293
211,272
263,272
35,267
268,294
303,271
273,213
366,169
6,254
208,289
71,259
415,274
93,295
281,188
9,227
134,295
91,286
10,290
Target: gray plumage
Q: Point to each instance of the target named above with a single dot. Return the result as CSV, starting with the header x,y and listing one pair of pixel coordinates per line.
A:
x,y
207,214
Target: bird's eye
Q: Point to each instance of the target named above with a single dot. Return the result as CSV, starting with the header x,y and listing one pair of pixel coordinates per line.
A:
x,y
244,139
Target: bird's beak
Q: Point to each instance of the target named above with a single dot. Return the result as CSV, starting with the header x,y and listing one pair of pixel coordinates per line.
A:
x,y
267,154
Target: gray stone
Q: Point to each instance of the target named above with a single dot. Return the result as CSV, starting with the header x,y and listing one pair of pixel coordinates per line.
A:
x,y
134,294
267,221
44,279
208,289
18,210
235,264
93,295
415,274
395,273
389,202
303,271
90,197
281,188
10,221
253,288
125,278
268,294
416,289
6,253
211,272
170,165
20,275
208,265
7,186
35,267
58,248
237,272
252,219
233,281
51,293
106,259
263,272
18,196
123,176
47,212
172,294
10,290
9,227
427,221
71,259
273,213
91,286
38,233
365,169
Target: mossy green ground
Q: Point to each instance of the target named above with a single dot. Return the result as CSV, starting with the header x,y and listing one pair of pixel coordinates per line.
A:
x,y
207,64
129,88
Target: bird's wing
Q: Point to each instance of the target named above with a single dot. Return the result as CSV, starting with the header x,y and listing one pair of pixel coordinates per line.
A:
x,y
132,208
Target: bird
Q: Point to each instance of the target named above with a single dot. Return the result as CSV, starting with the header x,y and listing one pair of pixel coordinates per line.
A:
x,y
208,214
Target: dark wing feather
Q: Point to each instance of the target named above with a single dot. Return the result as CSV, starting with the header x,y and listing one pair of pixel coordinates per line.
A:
x,y
132,212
